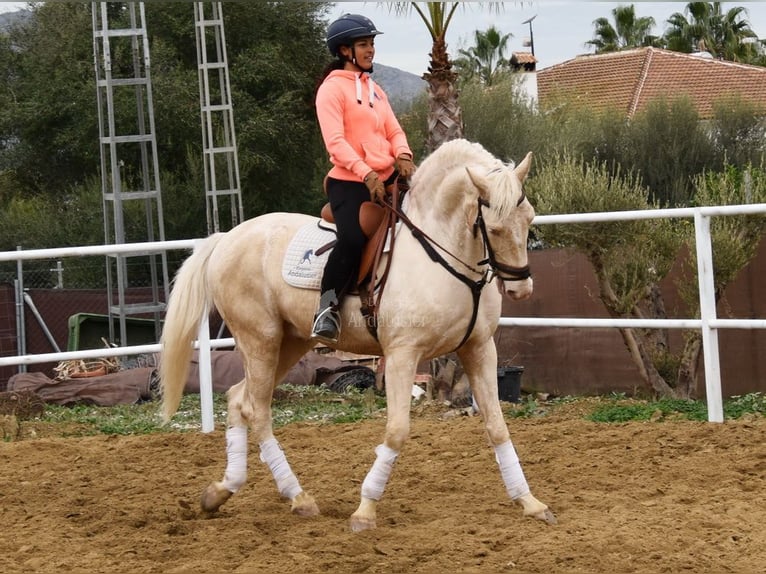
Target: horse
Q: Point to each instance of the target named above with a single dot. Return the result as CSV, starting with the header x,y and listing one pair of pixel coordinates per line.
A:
x,y
464,245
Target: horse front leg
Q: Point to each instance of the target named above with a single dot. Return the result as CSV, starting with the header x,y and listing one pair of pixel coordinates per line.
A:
x,y
480,364
400,374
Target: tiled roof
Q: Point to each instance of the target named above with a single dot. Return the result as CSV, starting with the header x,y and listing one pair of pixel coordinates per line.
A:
x,y
523,58
629,79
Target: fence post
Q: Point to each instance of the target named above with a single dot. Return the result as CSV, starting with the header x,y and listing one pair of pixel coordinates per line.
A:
x,y
706,282
205,375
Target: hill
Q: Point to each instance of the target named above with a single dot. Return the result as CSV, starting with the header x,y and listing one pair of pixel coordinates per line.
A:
x,y
400,86
9,19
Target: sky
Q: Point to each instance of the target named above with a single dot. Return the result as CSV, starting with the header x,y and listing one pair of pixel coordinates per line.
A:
x,y
560,28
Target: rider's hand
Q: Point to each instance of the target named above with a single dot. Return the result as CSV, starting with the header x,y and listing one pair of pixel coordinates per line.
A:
x,y
376,187
405,166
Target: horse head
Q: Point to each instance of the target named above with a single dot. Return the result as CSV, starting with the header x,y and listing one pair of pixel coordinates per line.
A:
x,y
503,214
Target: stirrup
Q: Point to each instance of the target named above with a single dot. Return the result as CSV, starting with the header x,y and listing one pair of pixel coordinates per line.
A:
x,y
326,328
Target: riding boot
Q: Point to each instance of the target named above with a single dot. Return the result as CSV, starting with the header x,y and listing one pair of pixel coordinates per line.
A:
x,y
326,328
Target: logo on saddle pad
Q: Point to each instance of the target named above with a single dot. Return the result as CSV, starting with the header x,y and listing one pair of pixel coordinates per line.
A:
x,y
301,266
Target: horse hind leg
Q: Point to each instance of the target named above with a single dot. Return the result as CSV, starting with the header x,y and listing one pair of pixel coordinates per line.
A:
x,y
249,405
235,476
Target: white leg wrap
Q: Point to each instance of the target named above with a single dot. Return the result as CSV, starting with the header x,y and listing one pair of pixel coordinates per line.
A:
x,y
375,482
287,482
236,458
510,469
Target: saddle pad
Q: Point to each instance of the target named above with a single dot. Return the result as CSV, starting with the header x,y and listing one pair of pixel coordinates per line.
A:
x,y
300,266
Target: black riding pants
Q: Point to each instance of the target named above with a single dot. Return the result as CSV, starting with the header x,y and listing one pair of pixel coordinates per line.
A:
x,y
346,198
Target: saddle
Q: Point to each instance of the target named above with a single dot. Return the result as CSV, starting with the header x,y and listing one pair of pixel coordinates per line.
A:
x,y
372,219
377,223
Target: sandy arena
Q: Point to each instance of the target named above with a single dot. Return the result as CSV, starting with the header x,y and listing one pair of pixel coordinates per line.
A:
x,y
630,498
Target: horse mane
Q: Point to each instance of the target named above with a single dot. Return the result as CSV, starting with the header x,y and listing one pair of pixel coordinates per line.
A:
x,y
458,155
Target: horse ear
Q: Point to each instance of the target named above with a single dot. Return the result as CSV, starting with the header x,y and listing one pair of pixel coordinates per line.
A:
x,y
472,206
522,170
479,181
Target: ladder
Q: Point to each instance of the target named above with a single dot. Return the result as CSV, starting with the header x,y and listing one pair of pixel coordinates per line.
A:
x,y
219,142
130,181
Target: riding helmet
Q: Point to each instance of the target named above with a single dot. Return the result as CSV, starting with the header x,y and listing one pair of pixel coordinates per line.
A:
x,y
346,29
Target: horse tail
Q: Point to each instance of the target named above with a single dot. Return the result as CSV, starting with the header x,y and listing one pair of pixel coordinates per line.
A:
x,y
189,300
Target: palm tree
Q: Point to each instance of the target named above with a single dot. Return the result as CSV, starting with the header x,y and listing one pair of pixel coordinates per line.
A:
x,y
445,118
727,36
627,32
486,59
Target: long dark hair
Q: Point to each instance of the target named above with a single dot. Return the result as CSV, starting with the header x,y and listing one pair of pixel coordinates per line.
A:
x,y
336,64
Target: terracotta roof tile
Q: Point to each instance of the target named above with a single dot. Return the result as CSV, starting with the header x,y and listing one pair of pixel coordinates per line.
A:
x,y
523,58
629,79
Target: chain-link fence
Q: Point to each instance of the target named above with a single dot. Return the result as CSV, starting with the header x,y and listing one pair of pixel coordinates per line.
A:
x,y
54,305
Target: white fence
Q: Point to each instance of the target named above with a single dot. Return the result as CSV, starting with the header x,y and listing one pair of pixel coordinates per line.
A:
x,y
708,322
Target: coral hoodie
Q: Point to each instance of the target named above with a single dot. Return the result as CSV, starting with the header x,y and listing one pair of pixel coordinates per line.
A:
x,y
359,128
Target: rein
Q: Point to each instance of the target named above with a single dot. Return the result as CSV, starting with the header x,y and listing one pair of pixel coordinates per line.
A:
x,y
495,268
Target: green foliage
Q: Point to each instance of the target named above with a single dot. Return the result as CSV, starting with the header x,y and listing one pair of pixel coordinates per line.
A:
x,y
705,26
739,405
292,404
526,409
485,60
414,122
627,32
619,410
667,146
735,238
630,256
49,122
501,118
317,404
739,131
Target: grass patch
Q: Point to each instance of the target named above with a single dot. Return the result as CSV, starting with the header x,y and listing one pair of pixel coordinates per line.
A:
x,y
618,409
318,404
291,404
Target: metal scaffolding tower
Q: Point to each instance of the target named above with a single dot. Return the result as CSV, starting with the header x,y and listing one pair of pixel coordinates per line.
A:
x,y
219,141
130,181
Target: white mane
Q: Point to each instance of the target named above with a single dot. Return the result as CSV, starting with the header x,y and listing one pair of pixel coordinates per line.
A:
x,y
460,154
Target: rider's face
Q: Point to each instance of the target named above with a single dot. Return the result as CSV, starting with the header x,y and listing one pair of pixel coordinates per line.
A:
x,y
362,52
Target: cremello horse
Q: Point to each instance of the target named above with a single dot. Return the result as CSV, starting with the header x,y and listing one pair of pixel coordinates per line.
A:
x,y
441,296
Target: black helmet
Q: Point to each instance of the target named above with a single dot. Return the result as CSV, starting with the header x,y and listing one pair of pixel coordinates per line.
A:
x,y
348,28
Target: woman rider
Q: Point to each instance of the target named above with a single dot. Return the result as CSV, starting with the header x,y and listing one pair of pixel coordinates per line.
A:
x,y
368,150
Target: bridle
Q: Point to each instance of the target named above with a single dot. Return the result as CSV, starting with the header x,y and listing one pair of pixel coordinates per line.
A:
x,y
493,267
498,268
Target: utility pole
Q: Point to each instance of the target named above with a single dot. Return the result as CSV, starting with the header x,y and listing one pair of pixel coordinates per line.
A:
x,y
531,35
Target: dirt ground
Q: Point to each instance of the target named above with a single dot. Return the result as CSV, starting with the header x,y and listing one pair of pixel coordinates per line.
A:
x,y
630,498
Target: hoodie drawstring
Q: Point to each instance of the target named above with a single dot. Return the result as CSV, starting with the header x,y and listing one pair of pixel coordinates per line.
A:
x,y
358,82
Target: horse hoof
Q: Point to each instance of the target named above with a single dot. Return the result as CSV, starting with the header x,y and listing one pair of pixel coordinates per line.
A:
x,y
546,516
360,524
213,497
304,505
